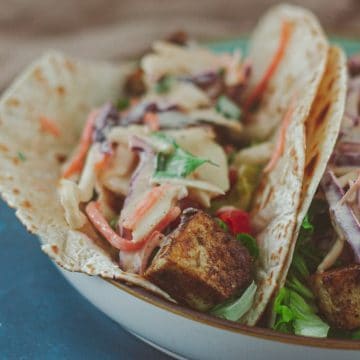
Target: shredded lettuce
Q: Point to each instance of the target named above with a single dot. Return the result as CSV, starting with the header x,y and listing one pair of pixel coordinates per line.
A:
x,y
234,310
228,108
177,164
294,305
297,314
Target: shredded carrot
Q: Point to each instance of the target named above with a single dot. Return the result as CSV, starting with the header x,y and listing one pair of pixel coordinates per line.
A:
x,y
98,220
145,205
103,163
279,148
49,126
77,162
286,30
152,120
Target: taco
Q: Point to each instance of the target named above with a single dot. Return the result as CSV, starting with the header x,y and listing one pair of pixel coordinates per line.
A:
x,y
320,286
153,174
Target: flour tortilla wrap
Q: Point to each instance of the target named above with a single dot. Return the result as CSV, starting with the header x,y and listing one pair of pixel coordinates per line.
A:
x,y
63,90
300,69
279,196
322,130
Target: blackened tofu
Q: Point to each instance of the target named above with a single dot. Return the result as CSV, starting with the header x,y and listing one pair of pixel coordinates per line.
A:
x,y
199,264
338,295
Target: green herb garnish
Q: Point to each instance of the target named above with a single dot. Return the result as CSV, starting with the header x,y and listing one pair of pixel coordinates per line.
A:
x,y
222,224
21,156
164,84
228,108
123,104
177,164
250,243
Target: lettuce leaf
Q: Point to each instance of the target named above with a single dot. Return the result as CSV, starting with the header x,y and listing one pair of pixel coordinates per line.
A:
x,y
236,309
294,305
297,315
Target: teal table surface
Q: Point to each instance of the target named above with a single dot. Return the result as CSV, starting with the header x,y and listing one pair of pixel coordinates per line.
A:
x,y
43,317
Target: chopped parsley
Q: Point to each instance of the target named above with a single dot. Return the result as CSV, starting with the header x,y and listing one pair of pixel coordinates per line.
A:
x,y
164,84
123,104
177,164
21,156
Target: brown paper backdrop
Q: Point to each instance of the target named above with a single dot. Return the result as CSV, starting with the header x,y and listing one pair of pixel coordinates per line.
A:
x,y
117,29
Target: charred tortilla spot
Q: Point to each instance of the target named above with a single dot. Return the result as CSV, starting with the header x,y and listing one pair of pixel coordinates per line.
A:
x,y
39,76
268,197
60,90
322,115
60,158
3,148
15,160
331,83
16,191
26,204
310,166
70,65
13,102
55,249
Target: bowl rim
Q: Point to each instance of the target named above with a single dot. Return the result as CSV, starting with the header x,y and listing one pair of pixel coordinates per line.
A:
x,y
210,320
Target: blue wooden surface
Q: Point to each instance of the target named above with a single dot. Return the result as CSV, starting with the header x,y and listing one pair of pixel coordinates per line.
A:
x,y
43,317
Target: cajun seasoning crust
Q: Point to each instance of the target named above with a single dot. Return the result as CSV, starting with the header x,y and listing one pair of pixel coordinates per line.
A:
x,y
338,295
200,265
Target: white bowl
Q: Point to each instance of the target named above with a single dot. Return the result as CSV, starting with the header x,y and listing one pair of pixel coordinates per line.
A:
x,y
184,333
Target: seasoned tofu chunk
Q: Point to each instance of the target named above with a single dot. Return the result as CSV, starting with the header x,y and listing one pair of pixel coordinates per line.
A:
x,y
199,264
338,295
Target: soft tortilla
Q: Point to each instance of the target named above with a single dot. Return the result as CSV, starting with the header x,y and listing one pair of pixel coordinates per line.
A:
x,y
275,213
278,198
63,90
300,70
322,130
